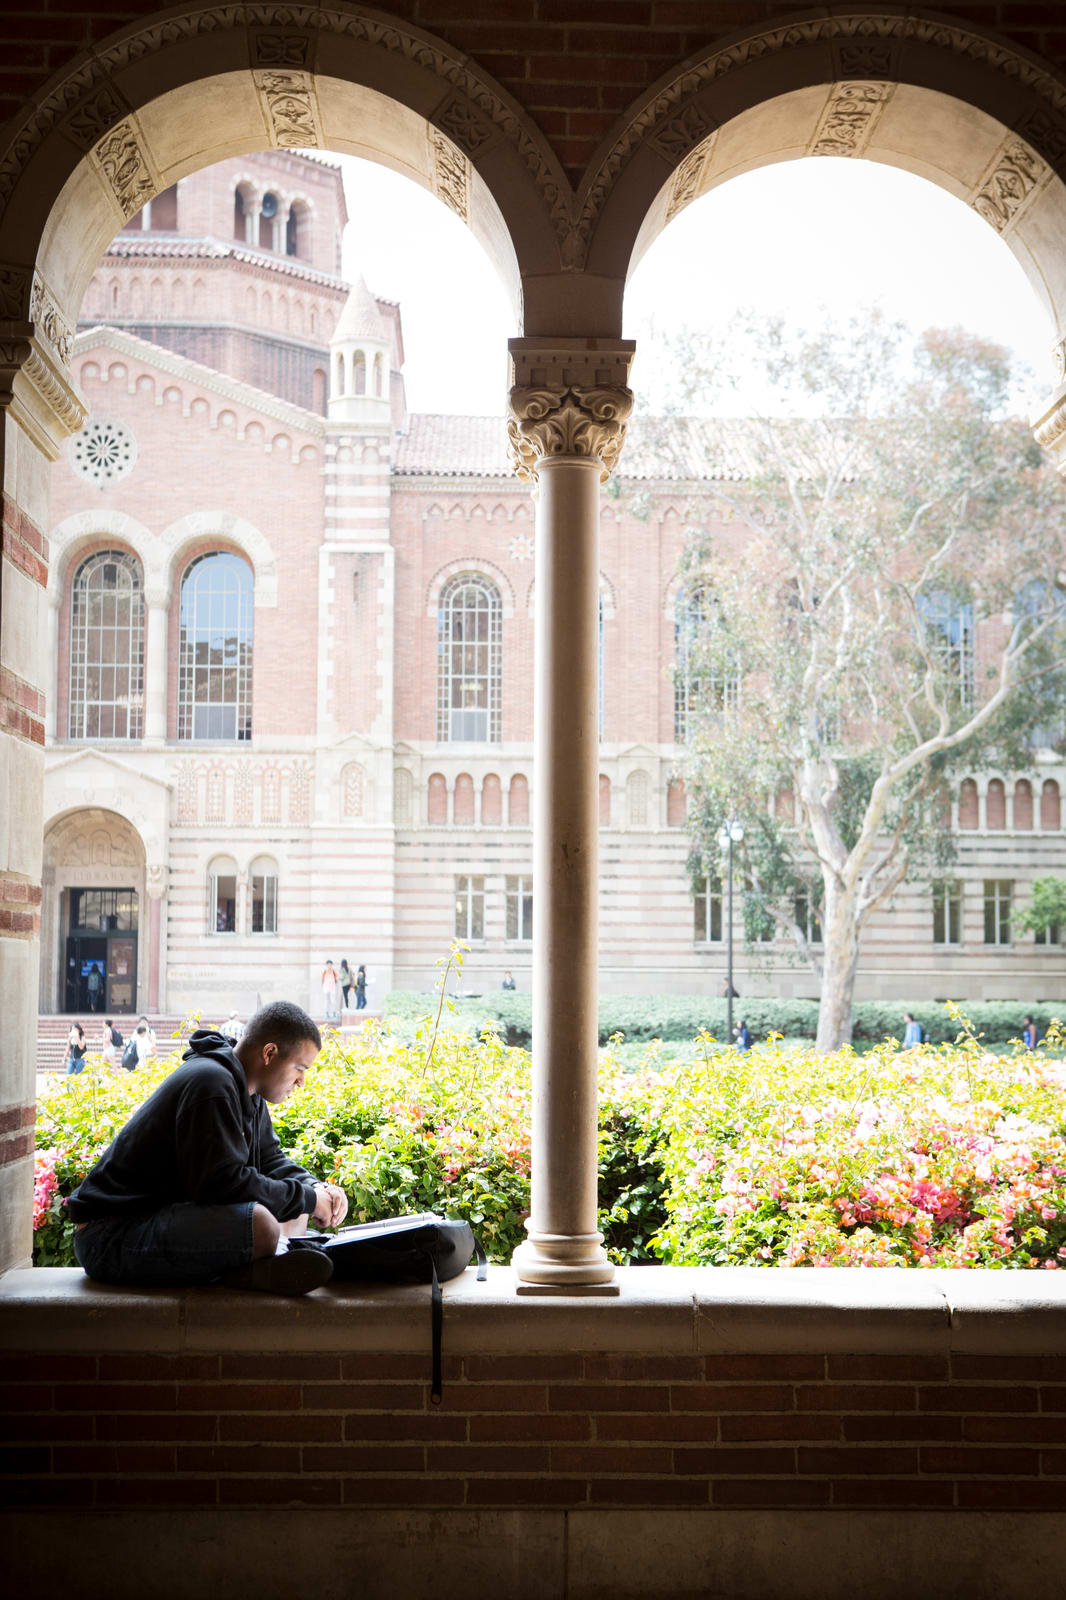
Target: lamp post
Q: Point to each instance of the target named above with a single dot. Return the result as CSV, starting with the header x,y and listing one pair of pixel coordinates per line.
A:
x,y
729,834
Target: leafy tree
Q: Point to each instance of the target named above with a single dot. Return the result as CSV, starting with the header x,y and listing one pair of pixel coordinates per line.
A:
x,y
876,601
1047,909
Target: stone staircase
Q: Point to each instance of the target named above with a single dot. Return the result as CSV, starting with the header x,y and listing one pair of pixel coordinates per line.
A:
x,y
52,1034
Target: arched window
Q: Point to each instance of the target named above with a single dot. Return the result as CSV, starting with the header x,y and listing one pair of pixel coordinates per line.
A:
x,y
949,627
222,895
379,374
969,812
292,234
264,895
696,690
605,800
107,648
491,802
676,803
359,373
318,391
518,801
463,799
1050,807
268,215
240,220
996,805
437,802
215,649
338,383
1023,804
469,660
637,790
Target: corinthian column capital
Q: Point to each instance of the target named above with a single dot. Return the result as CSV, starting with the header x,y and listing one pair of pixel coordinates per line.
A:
x,y
1049,424
569,398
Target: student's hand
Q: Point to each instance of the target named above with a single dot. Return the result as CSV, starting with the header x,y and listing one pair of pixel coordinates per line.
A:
x,y
332,1207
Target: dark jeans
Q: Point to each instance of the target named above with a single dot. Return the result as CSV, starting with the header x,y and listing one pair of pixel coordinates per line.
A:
x,y
176,1247
347,988
360,999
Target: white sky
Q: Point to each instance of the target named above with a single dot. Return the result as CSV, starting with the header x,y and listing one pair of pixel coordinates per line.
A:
x,y
791,239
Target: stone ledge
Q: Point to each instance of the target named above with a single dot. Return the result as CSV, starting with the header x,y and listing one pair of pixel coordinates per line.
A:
x,y
668,1310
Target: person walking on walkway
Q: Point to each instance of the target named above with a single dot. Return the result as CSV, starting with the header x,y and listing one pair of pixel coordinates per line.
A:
x,y
331,993
346,981
76,1049
360,988
96,986
111,1043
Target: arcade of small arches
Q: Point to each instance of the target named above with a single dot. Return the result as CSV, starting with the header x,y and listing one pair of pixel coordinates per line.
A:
x,y
945,99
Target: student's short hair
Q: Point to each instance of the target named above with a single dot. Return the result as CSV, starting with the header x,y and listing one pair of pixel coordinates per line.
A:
x,y
282,1023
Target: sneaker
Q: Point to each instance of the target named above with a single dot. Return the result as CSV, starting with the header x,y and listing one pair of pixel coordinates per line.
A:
x,y
294,1272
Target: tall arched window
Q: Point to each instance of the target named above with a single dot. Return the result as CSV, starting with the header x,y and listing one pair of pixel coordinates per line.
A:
x,y
359,373
215,649
463,799
949,628
107,648
696,690
379,374
491,802
469,660
1023,804
996,804
1050,806
518,801
222,895
969,810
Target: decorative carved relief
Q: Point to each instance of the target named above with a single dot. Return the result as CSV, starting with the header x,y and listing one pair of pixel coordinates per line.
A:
x,y
243,794
155,881
123,165
15,290
866,58
216,794
1016,172
270,49
45,315
1045,131
300,793
271,802
187,792
463,124
288,101
1058,356
566,422
354,790
402,797
848,119
101,111
676,136
688,179
451,173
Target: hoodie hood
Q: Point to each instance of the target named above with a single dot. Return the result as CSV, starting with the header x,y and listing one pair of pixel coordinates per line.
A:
x,y
208,1044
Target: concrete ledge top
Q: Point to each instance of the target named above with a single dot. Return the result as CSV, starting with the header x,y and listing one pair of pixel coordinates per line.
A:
x,y
665,1310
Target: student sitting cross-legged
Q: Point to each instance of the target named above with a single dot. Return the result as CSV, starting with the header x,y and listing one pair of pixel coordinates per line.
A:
x,y
195,1189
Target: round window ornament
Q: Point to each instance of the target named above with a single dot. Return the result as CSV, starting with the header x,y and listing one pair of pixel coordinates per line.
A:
x,y
103,452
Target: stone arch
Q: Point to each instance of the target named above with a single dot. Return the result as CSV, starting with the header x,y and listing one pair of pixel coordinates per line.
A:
x,y
946,100
178,540
92,846
75,536
169,94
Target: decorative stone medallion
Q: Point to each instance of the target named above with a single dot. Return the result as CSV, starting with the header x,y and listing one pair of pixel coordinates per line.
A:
x,y
103,452
521,547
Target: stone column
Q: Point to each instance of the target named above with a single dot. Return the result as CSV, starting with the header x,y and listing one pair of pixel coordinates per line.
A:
x,y
155,882
157,628
569,406
252,208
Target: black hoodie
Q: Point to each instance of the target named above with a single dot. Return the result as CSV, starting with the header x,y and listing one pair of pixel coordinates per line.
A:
x,y
201,1137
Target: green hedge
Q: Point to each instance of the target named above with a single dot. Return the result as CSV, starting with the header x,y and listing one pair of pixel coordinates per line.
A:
x,y
672,1016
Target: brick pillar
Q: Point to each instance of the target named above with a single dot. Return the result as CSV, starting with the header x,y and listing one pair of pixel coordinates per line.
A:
x,y
569,406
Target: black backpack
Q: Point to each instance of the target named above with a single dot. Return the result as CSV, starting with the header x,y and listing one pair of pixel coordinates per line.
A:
x,y
129,1056
116,1037
426,1248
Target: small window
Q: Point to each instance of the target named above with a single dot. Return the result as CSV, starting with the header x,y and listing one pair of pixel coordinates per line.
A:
x,y
1049,935
707,909
808,915
469,908
947,912
264,897
520,908
223,897
998,893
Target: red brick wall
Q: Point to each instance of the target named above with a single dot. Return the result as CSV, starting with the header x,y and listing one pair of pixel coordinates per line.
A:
x,y
968,1431
573,64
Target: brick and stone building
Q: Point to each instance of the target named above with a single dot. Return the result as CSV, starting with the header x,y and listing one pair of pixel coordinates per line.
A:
x,y
345,768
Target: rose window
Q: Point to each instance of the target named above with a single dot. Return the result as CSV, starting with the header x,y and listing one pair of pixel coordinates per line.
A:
x,y
103,452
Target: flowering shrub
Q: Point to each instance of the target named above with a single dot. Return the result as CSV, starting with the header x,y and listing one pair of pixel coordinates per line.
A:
x,y
945,1156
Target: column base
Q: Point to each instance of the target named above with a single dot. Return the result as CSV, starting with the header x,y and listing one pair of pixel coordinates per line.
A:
x,y
568,1291
563,1264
